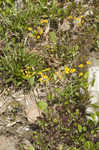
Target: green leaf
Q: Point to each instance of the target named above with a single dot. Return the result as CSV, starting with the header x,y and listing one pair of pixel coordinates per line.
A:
x,y
1,68
9,80
79,128
9,2
97,113
66,11
85,84
31,81
54,3
97,146
43,106
95,106
18,84
86,75
93,116
52,36
84,129
31,148
93,82
89,146
59,12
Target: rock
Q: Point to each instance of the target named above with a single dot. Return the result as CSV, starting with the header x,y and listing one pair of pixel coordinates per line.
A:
x,y
94,87
7,143
31,109
65,26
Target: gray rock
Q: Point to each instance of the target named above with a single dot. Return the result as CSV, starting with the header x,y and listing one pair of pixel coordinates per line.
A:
x,y
94,86
7,143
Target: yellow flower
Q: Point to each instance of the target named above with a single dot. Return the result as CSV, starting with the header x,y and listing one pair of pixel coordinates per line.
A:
x,y
78,19
22,70
40,79
80,74
29,29
40,73
67,70
81,66
60,77
26,71
56,73
70,17
38,27
75,18
47,69
79,24
72,70
43,21
35,31
33,73
82,21
44,78
82,16
88,62
28,67
41,31
38,37
27,75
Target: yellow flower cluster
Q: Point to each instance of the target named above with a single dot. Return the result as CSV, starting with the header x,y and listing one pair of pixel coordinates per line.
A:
x,y
43,21
88,62
79,20
61,74
81,65
80,74
39,30
72,70
37,33
43,78
29,29
58,75
69,70
27,73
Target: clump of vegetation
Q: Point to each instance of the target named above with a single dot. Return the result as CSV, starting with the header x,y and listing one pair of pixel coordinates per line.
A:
x,y
64,125
47,43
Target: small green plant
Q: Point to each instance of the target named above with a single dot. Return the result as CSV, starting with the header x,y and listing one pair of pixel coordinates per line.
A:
x,y
19,67
65,123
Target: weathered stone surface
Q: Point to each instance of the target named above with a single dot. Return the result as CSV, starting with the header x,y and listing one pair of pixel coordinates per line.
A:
x,y
27,100
31,108
94,84
7,143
